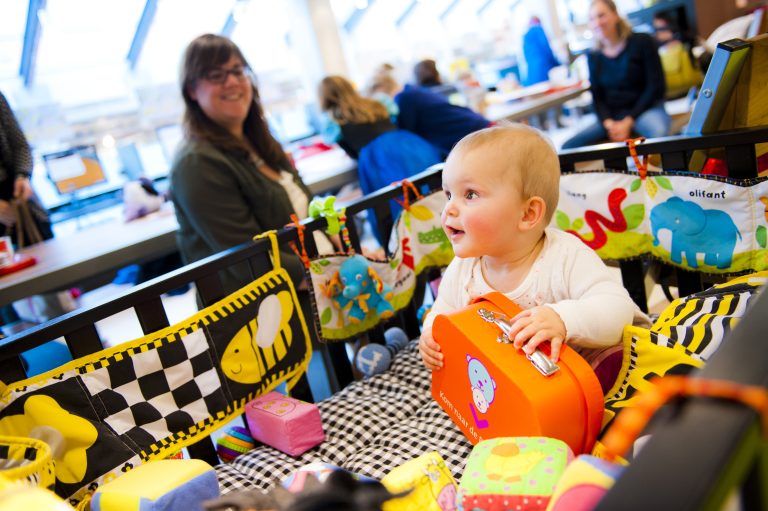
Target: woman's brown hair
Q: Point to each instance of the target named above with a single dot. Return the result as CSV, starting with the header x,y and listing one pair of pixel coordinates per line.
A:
x,y
623,28
342,101
203,54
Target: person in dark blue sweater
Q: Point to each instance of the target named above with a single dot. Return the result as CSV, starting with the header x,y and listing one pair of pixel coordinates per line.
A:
x,y
432,117
627,81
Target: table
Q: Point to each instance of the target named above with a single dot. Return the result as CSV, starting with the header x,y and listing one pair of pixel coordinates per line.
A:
x,y
64,261
538,100
327,171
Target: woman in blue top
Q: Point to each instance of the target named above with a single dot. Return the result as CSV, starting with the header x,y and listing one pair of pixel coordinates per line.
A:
x,y
627,81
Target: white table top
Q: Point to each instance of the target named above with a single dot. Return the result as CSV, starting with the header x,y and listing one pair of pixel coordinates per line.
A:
x,y
531,104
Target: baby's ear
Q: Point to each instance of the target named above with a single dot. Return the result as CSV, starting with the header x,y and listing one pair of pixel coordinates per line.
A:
x,y
534,212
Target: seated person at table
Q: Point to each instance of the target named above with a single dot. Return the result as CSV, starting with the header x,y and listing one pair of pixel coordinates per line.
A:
x,y
230,179
364,129
627,81
502,186
426,75
429,114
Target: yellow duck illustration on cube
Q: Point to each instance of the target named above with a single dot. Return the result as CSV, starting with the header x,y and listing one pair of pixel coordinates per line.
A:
x,y
506,462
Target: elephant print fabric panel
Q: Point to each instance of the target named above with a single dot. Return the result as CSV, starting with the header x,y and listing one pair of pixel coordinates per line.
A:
x,y
418,242
262,338
703,223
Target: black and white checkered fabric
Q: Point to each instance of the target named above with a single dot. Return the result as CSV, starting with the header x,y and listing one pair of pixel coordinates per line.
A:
x,y
371,427
158,390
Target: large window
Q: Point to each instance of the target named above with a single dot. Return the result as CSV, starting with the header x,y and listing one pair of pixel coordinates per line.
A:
x,y
84,90
486,33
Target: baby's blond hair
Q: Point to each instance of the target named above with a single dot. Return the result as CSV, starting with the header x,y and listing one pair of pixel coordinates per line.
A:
x,y
524,152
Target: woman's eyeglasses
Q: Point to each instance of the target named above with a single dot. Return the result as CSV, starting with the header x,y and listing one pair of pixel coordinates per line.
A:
x,y
219,76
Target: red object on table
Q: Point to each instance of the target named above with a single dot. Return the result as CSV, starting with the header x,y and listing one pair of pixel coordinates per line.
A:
x,y
313,149
20,261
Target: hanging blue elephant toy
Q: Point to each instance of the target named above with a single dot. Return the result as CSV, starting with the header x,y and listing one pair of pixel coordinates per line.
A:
x,y
356,288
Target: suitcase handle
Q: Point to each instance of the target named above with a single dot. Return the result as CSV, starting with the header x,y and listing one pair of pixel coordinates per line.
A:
x,y
539,360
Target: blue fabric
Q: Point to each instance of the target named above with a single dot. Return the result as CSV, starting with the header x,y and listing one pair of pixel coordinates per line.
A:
x,y
189,495
539,58
433,118
186,497
46,357
392,157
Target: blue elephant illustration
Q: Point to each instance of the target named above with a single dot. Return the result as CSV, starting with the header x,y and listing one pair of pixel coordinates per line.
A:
x,y
695,230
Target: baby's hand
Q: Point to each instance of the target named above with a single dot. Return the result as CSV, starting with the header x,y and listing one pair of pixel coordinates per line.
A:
x,y
534,326
430,351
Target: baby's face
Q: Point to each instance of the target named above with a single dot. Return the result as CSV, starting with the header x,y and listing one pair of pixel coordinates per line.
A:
x,y
484,203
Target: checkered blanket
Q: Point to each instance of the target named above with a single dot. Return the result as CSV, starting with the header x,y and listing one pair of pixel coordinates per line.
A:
x,y
371,427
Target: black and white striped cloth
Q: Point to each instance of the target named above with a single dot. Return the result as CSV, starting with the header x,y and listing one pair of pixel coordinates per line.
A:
x,y
371,427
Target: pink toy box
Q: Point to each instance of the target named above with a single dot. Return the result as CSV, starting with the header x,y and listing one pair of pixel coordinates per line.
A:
x,y
285,423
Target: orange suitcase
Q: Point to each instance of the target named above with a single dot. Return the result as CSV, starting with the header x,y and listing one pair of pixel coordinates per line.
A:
x,y
491,390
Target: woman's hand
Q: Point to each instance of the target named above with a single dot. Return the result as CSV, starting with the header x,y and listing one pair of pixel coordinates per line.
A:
x,y
22,190
534,326
430,351
621,130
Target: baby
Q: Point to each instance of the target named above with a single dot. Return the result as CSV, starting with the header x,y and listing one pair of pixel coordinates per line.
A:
x,y
502,186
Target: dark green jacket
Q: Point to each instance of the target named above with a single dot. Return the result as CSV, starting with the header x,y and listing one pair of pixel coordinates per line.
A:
x,y
222,200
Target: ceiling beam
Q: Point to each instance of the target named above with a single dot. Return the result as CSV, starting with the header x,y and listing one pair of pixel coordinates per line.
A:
x,y
447,10
483,7
406,13
32,34
229,25
142,31
356,17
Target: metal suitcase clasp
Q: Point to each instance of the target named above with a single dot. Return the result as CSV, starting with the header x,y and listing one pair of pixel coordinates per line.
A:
x,y
539,360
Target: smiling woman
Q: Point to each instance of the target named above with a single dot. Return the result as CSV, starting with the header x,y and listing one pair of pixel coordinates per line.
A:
x,y
230,179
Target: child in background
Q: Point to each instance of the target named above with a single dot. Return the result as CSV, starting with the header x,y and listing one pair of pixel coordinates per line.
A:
x,y
364,129
502,186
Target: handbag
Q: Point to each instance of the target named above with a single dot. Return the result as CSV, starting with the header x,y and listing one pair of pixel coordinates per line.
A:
x,y
26,229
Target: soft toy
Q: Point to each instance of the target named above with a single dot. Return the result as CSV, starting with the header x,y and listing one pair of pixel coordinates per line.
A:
x,y
374,358
326,208
513,473
356,288
236,441
583,483
285,423
159,485
140,198
424,483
